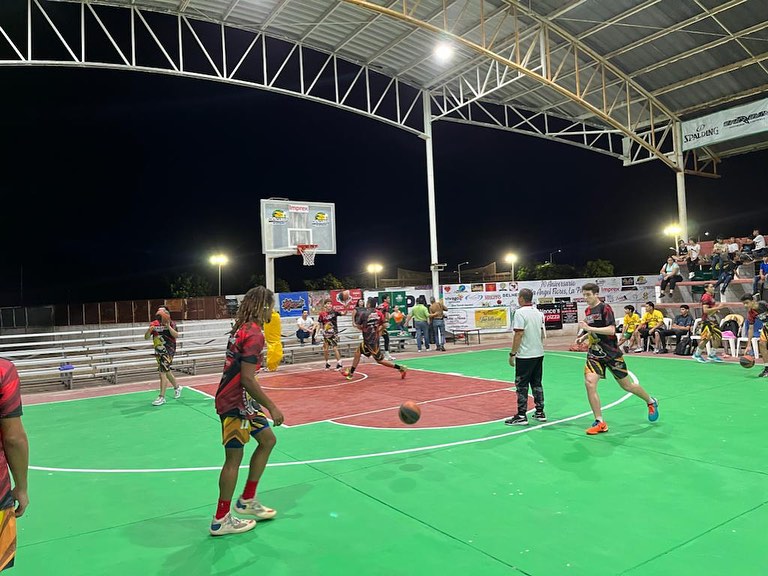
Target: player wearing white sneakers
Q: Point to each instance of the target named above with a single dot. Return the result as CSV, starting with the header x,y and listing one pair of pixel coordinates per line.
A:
x,y
710,331
164,335
239,401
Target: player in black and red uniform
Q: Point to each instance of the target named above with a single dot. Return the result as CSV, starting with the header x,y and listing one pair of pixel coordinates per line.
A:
x,y
14,454
710,329
383,307
239,399
599,327
163,332
370,322
328,320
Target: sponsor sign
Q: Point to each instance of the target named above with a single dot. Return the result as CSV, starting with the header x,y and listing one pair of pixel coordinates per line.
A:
x,y
292,303
725,125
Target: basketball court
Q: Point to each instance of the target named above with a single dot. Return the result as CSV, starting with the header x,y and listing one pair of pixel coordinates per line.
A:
x,y
121,487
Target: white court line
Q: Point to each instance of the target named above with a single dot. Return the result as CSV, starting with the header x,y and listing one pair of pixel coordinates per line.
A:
x,y
334,420
344,383
335,458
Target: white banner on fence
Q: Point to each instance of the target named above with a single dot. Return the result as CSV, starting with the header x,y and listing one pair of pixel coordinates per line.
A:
x,y
725,125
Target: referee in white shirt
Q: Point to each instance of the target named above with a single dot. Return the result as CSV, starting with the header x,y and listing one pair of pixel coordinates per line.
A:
x,y
527,358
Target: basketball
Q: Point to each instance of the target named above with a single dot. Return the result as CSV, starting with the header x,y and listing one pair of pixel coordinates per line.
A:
x,y
747,361
163,314
409,412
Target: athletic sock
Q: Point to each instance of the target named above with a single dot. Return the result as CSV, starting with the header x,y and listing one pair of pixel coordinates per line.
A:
x,y
351,369
250,489
223,508
397,367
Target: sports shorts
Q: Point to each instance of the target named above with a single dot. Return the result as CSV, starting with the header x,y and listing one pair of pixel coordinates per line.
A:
x,y
7,537
371,351
164,361
236,431
598,366
711,331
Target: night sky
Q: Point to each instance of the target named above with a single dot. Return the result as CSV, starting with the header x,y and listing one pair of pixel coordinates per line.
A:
x,y
115,182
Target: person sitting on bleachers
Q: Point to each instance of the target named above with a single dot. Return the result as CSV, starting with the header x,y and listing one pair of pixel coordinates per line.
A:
x,y
719,253
669,276
629,325
694,249
727,273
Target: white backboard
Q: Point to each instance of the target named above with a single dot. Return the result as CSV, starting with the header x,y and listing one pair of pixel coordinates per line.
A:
x,y
287,223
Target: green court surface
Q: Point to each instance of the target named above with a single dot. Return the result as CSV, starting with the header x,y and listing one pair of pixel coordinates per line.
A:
x,y
124,488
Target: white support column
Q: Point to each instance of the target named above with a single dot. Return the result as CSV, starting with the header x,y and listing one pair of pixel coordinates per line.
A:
x,y
682,208
427,103
270,272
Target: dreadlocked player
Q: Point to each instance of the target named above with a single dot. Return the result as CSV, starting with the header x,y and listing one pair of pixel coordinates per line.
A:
x,y
239,401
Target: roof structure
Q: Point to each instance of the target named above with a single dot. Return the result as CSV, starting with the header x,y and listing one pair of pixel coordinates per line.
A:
x,y
611,76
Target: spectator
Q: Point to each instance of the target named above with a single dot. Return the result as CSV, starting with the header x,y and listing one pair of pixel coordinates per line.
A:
x,y
629,324
758,286
399,318
681,326
694,249
681,252
669,276
727,273
719,253
420,315
437,312
650,320
758,241
14,455
306,327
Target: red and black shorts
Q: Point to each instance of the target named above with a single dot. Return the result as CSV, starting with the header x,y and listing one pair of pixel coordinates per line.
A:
x,y
371,350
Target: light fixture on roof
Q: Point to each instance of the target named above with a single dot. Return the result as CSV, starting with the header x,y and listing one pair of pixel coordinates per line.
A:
x,y
443,52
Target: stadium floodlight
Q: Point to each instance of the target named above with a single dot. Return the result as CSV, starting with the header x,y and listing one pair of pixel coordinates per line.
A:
x,y
443,52
375,269
219,260
510,259
674,230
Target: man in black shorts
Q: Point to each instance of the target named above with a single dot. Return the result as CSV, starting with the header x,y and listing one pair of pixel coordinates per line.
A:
x,y
599,328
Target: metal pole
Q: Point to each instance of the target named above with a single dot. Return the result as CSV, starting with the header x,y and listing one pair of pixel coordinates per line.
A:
x,y
219,279
682,210
270,272
431,191
512,272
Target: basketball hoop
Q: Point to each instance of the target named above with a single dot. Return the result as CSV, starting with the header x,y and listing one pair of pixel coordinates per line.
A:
x,y
308,252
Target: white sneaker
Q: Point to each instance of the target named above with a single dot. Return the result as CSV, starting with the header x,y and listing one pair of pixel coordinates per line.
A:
x,y
255,508
230,525
389,357
159,401
177,392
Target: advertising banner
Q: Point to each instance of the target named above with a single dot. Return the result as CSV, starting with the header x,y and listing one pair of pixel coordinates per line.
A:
x,y
292,303
345,300
467,296
486,319
553,317
492,318
725,125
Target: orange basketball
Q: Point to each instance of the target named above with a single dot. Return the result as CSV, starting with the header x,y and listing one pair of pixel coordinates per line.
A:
x,y
747,361
409,412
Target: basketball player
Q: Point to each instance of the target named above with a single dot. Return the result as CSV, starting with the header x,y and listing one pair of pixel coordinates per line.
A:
x,y
370,322
164,335
328,320
239,401
756,328
710,329
14,455
384,309
599,328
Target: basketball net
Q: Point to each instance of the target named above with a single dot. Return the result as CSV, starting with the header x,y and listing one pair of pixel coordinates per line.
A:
x,y
307,252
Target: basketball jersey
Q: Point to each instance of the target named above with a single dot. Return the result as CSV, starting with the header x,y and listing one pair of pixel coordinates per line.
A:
x,y
10,407
706,300
162,339
369,319
602,345
245,346
330,323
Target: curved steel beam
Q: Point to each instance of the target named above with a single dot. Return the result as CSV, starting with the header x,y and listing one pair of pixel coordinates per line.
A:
x,y
604,112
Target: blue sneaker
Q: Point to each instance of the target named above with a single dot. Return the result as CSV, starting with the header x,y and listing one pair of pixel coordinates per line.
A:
x,y
653,410
715,358
698,357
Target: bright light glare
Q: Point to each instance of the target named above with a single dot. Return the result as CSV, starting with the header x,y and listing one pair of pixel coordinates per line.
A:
x,y
218,259
375,268
672,230
510,258
443,52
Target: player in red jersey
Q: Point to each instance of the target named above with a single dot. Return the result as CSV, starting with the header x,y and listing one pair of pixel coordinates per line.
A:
x,y
370,322
328,320
14,453
164,335
710,329
599,328
239,401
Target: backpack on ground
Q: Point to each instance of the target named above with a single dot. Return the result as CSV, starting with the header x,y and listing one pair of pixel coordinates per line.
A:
x,y
684,346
